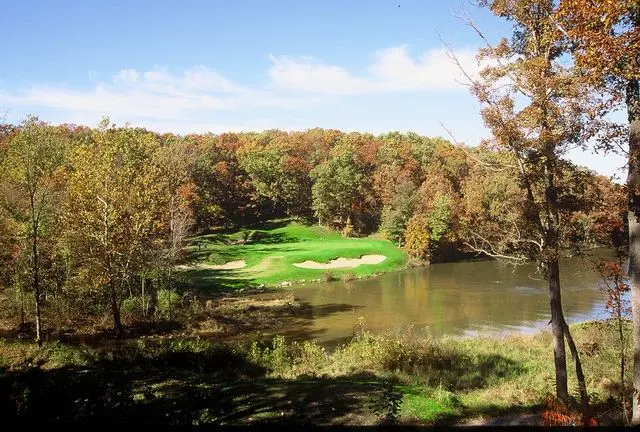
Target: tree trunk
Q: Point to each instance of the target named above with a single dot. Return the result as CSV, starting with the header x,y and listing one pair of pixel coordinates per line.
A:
x,y
633,183
558,330
623,354
115,309
550,256
582,384
36,271
21,306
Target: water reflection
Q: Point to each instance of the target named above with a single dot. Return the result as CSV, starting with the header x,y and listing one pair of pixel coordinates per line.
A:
x,y
465,298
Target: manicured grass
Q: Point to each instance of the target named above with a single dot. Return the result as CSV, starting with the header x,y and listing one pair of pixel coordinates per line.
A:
x,y
271,251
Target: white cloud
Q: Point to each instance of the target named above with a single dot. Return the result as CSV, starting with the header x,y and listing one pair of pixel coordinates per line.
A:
x,y
156,94
393,70
196,95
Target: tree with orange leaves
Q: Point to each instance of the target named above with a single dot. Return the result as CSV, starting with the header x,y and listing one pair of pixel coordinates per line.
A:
x,y
536,109
606,44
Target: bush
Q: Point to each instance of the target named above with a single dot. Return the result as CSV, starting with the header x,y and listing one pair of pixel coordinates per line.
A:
x,y
131,309
328,276
348,230
284,360
275,358
168,302
417,237
348,277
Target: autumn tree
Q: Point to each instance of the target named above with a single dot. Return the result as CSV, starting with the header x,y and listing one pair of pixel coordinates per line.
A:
x,y
606,45
535,110
225,195
175,159
115,210
32,186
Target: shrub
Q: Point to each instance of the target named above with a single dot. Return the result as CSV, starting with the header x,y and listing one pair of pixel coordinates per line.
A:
x,y
347,231
393,224
168,303
131,308
328,276
275,358
348,277
417,237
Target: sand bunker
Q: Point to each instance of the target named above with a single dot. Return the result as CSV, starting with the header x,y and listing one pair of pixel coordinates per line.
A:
x,y
342,262
231,265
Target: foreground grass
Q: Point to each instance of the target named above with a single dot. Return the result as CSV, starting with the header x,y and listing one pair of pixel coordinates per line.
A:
x,y
194,381
270,252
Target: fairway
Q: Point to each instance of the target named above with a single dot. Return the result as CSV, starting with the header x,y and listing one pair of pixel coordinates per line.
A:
x,y
270,254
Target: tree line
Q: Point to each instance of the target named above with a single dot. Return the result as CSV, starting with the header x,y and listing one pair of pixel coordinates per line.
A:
x,y
90,215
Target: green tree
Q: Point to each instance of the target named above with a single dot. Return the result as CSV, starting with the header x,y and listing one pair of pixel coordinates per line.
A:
x,y
279,176
338,186
395,215
31,170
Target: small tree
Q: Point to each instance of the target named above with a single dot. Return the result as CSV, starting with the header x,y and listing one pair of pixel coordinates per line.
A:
x,y
418,238
605,38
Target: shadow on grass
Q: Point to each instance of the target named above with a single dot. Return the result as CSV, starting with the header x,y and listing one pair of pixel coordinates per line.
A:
x,y
270,225
185,388
210,282
264,237
220,385
460,373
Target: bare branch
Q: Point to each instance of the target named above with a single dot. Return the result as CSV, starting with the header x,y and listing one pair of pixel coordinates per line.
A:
x,y
461,146
487,248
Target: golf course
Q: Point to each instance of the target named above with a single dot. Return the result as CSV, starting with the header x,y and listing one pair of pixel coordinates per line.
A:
x,y
283,252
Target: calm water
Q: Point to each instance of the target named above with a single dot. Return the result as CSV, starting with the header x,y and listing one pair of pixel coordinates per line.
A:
x,y
459,299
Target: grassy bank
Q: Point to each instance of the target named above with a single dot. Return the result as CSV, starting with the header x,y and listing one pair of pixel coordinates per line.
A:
x,y
271,250
405,377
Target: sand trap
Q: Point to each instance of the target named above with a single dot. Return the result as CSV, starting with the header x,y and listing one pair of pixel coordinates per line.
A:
x,y
342,262
231,265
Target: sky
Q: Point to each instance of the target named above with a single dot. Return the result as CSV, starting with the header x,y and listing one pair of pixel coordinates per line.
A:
x,y
242,65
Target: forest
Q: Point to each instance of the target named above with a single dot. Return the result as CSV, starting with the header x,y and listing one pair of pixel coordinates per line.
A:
x,y
98,223
92,215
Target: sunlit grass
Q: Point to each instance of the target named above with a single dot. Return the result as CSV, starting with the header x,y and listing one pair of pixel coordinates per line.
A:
x,y
270,254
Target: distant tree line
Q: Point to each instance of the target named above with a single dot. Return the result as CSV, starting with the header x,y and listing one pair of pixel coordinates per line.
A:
x,y
89,216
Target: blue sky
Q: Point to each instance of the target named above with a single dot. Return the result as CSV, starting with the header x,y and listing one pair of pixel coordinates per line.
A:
x,y
196,66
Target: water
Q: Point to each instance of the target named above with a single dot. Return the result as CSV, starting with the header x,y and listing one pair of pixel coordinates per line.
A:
x,y
457,299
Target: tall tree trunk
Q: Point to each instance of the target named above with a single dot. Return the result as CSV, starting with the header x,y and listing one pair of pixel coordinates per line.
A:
x,y
557,328
115,309
36,271
633,184
550,256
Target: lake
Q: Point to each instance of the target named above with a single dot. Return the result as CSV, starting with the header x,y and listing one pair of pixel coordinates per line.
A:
x,y
457,299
